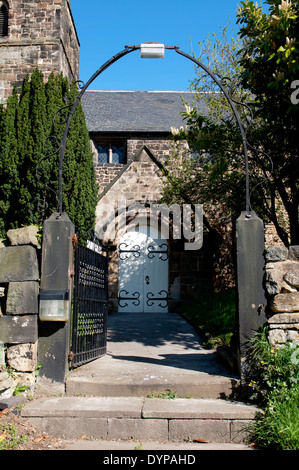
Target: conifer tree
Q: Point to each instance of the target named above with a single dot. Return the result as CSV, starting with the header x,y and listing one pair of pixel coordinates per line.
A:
x,y
29,160
32,129
9,175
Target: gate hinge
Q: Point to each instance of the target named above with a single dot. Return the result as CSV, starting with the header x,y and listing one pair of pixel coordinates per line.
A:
x,y
70,356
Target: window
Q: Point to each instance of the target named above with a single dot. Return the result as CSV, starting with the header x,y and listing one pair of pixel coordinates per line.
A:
x,y
111,152
3,19
201,155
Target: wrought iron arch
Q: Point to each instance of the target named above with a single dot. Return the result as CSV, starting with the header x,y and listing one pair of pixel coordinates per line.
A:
x,y
128,49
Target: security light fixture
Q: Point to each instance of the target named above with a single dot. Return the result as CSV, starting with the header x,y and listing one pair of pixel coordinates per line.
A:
x,y
54,305
152,50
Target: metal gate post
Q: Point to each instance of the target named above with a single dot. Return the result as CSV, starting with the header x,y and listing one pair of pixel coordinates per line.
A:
x,y
250,274
56,274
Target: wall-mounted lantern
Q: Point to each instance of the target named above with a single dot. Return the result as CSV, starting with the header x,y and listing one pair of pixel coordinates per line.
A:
x,y
54,305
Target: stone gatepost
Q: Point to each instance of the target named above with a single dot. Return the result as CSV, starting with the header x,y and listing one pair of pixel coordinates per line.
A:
x,y
56,274
250,274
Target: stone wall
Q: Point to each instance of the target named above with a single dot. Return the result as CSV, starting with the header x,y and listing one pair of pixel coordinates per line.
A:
x,y
282,287
141,182
19,289
159,146
40,34
105,173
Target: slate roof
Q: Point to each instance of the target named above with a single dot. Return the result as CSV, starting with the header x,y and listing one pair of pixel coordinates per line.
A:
x,y
134,111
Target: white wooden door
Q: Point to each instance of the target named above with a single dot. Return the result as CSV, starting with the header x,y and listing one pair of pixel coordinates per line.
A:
x,y
143,271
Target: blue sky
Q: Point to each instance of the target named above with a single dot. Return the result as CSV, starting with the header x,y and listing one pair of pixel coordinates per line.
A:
x,y
105,27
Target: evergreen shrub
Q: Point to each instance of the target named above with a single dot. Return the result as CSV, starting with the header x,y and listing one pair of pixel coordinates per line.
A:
x,y
29,156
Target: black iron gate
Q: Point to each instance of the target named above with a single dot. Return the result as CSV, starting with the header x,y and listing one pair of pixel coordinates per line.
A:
x,y
89,318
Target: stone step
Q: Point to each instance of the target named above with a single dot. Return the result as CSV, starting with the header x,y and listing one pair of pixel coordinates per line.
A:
x,y
199,387
150,419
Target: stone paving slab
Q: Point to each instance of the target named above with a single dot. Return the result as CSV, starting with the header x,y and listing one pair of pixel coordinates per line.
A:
x,y
12,402
145,418
138,385
145,357
151,354
88,407
197,409
211,430
167,447
137,407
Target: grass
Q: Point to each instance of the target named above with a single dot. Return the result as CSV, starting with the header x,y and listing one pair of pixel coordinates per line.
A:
x,y
9,437
168,394
277,427
213,314
273,378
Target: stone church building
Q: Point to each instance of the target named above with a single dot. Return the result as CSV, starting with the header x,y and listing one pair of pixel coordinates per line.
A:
x,y
130,132
150,268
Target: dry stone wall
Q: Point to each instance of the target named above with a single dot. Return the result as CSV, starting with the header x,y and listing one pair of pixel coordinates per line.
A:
x,y
19,289
282,287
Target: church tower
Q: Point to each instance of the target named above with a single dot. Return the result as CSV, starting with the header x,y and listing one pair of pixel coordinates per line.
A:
x,y
36,33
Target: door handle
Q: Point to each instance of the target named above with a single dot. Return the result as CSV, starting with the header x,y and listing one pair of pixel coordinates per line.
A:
x,y
147,279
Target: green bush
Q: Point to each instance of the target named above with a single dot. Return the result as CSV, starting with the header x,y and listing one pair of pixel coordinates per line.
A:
x,y
214,314
277,427
273,377
270,368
